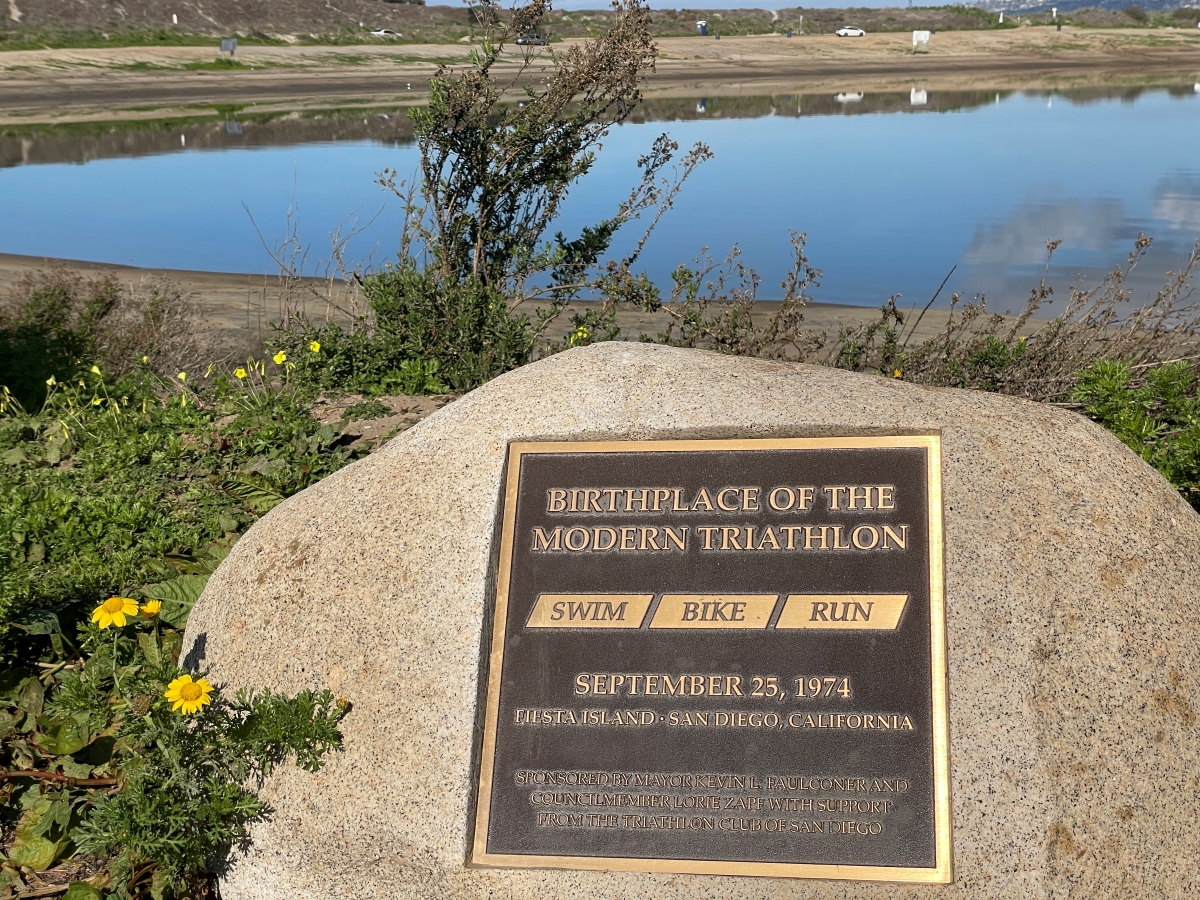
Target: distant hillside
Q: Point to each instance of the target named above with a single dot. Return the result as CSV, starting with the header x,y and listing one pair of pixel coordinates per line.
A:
x,y
77,23
33,23
1185,11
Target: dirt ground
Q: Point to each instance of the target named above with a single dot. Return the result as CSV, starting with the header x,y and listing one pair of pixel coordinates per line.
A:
x,y
52,86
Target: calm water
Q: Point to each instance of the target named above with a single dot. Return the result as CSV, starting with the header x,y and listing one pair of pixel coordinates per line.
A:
x,y
893,193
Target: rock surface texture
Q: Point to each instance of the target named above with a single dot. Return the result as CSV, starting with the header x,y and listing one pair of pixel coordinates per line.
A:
x,y
1072,612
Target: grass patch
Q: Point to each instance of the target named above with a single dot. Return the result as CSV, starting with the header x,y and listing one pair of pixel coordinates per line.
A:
x,y
367,409
69,39
121,489
220,64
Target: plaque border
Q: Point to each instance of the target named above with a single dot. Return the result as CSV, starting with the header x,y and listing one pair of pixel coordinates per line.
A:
x,y
941,873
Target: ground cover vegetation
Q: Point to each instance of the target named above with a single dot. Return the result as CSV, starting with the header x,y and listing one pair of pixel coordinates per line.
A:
x,y
53,25
133,455
139,23
121,491
1130,17
60,23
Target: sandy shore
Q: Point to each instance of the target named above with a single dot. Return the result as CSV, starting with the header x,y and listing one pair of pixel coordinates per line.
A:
x,y
44,86
238,309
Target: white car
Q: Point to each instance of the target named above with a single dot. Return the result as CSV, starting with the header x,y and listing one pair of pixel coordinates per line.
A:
x,y
850,31
384,32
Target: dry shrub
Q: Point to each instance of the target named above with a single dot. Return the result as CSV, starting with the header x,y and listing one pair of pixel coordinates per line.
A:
x,y
335,295
713,306
55,319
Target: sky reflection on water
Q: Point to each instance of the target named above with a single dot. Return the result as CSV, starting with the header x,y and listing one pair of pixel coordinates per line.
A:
x,y
890,201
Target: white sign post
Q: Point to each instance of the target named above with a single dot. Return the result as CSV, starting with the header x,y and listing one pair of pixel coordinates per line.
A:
x,y
922,38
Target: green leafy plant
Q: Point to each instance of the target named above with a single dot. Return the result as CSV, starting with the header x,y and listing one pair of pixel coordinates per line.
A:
x,y
1154,410
113,750
136,486
138,480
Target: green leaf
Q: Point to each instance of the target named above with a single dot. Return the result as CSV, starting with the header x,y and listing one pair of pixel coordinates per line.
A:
x,y
29,849
148,644
57,815
73,769
257,495
172,643
65,737
177,596
31,696
81,890
11,682
39,621
160,883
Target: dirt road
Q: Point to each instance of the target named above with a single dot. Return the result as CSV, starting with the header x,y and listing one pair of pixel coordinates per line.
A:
x,y
44,86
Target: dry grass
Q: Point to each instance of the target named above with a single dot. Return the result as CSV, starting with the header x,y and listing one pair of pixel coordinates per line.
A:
x,y
713,307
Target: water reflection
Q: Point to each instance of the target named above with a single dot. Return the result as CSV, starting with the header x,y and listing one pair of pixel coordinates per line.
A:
x,y
893,189
82,143
1177,200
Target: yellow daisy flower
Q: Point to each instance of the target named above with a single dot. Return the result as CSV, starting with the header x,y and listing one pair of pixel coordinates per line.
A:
x,y
182,376
145,359
239,372
113,611
187,696
280,358
897,374
150,608
315,346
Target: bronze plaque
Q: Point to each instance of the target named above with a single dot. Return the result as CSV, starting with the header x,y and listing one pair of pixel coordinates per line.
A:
x,y
722,657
